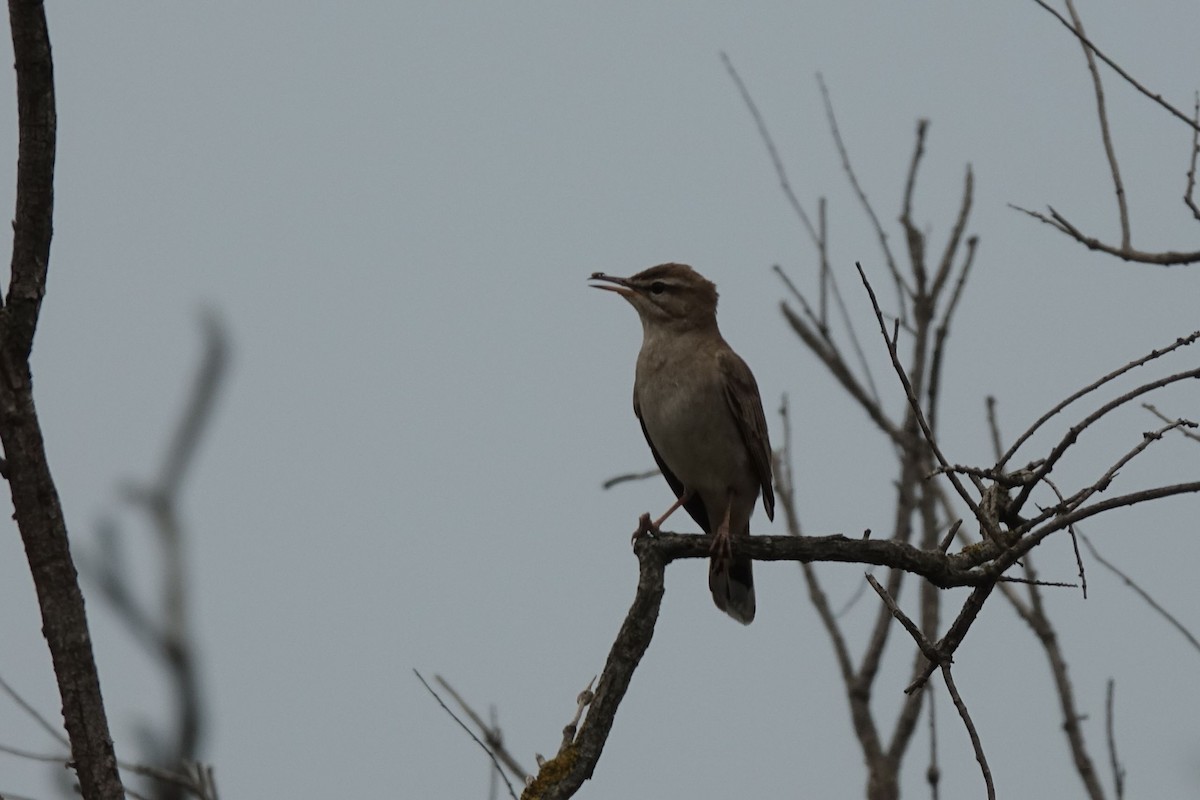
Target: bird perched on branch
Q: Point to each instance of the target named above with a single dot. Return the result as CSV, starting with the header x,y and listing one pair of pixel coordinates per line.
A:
x,y
702,416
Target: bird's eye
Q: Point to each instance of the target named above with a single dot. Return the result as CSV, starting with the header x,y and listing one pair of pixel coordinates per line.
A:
x,y
658,287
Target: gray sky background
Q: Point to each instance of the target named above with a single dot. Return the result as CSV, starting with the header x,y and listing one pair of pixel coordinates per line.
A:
x,y
394,206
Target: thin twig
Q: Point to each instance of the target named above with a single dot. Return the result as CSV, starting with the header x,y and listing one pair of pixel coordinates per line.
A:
x,y
1182,341
1034,615
1074,538
914,238
772,151
943,331
933,773
1110,726
491,732
974,734
629,476
915,403
1150,601
1166,258
1116,67
927,647
511,792
55,732
822,343
902,290
1072,434
1105,134
1187,423
1190,189
785,493
993,425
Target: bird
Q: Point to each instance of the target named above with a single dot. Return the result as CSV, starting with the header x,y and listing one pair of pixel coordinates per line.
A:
x,y
701,413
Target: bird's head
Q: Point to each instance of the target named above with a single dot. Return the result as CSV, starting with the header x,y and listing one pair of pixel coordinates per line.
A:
x,y
672,295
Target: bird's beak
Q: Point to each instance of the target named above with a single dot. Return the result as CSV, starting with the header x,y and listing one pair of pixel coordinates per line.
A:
x,y
621,286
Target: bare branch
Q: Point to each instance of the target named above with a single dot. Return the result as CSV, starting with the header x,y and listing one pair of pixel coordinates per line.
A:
x,y
1150,601
974,734
902,290
916,241
818,337
786,496
1166,258
772,151
163,627
960,224
1106,479
840,371
491,733
1105,134
511,792
1075,430
1059,522
561,776
943,331
1183,341
1116,68
627,477
933,773
1034,615
924,644
36,505
1117,770
1074,538
45,724
1190,189
1186,423
915,403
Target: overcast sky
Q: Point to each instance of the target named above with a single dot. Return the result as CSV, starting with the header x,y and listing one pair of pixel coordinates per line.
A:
x,y
394,207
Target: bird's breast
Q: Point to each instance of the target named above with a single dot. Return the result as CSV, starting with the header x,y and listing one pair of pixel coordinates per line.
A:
x,y
687,417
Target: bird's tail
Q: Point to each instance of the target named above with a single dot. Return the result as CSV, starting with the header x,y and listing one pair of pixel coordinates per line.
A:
x,y
732,585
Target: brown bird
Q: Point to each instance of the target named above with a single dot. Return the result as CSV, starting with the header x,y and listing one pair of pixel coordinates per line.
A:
x,y
702,417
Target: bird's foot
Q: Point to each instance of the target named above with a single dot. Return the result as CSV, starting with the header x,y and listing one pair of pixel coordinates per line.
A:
x,y
645,528
721,550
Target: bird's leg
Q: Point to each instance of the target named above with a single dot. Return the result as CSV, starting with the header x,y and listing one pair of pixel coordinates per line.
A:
x,y
647,528
722,545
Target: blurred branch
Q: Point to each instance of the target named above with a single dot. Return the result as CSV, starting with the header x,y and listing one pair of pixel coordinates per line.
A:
x,y
627,477
1118,771
914,402
196,779
902,289
1190,189
163,627
1150,601
772,151
1034,615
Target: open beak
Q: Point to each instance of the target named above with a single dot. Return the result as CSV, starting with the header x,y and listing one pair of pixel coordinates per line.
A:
x,y
621,285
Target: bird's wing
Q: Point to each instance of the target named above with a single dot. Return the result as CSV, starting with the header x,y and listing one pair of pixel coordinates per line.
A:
x,y
695,505
741,391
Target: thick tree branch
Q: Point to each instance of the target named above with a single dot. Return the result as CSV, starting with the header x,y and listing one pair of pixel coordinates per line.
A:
x,y
36,505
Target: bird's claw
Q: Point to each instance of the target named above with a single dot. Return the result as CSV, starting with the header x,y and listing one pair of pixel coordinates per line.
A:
x,y
645,528
721,550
